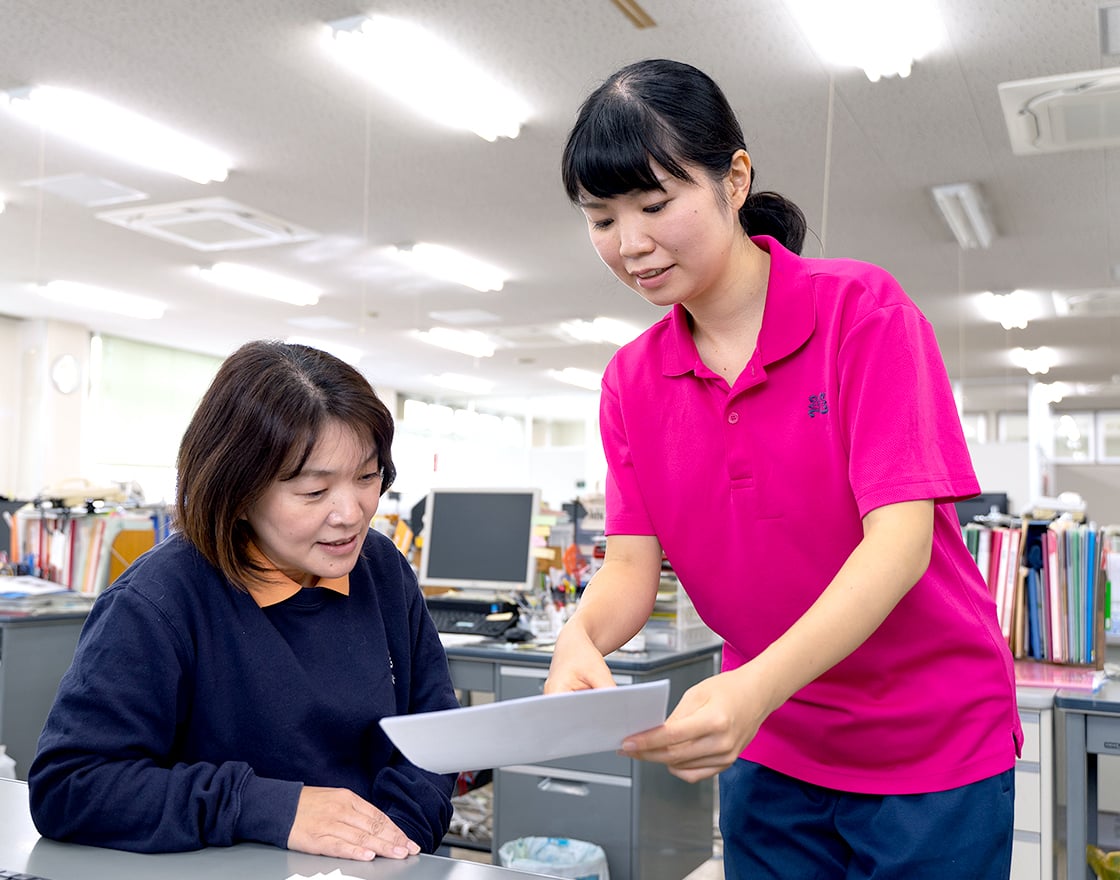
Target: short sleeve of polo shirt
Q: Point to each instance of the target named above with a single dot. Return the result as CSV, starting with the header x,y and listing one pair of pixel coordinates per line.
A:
x,y
626,512
905,435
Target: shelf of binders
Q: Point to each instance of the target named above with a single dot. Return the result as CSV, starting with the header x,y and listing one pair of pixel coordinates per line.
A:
x,y
1050,581
674,623
84,550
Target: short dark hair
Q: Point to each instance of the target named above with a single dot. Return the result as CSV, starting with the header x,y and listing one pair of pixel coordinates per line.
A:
x,y
676,115
258,422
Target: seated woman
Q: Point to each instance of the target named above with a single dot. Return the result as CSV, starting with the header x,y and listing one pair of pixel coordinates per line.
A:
x,y
228,686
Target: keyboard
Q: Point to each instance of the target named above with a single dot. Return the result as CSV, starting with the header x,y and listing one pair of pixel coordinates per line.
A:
x,y
471,617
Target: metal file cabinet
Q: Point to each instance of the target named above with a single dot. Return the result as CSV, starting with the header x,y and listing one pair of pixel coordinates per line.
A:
x,y
35,652
651,825
1033,854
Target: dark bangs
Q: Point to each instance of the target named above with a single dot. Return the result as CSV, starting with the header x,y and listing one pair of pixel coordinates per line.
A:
x,y
609,150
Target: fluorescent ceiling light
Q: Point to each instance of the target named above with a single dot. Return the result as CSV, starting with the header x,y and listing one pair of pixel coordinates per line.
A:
x,y
963,208
601,330
1013,310
449,264
1052,392
1034,360
257,282
427,75
884,37
470,342
96,123
459,382
101,299
588,379
349,353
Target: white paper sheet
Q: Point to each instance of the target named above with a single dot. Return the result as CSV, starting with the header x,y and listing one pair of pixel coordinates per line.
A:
x,y
528,730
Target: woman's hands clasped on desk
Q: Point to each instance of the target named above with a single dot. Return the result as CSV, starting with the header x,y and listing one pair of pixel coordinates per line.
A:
x,y
336,822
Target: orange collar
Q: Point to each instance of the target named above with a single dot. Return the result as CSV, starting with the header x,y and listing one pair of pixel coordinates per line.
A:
x,y
272,586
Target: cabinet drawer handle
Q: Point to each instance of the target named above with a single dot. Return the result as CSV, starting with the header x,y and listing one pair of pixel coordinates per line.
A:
x,y
576,789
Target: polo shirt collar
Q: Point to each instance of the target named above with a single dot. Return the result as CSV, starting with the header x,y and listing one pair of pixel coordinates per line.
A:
x,y
787,321
272,586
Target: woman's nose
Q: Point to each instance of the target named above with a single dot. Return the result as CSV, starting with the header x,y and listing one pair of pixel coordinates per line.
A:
x,y
345,510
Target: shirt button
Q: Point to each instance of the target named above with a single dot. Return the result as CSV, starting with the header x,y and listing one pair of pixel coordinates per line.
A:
x,y
733,419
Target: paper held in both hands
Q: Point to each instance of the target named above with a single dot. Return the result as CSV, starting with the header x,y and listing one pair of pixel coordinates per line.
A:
x,y
528,730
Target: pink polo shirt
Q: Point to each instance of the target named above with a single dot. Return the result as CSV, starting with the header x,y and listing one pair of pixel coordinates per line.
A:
x,y
756,493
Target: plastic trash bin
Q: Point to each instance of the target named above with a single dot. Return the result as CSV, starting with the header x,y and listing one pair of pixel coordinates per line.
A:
x,y
555,857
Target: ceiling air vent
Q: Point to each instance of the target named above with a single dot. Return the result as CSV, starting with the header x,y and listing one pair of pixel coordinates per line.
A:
x,y
1087,303
208,225
1076,111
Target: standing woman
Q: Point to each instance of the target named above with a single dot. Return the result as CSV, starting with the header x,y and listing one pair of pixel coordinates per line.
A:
x,y
787,435
228,686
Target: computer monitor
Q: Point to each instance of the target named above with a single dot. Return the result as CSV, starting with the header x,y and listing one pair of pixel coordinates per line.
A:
x,y
981,505
479,539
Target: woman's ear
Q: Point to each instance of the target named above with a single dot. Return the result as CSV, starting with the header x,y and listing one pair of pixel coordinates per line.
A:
x,y
739,178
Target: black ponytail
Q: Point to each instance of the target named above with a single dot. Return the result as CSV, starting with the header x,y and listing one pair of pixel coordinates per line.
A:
x,y
768,213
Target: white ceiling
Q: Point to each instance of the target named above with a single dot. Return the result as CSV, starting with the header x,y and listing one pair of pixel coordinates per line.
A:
x,y
316,146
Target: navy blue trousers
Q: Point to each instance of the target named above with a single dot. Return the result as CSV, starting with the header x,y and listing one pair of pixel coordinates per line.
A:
x,y
777,827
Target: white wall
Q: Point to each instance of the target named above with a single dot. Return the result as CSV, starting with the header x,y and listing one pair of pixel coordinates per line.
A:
x,y
41,427
1003,467
11,366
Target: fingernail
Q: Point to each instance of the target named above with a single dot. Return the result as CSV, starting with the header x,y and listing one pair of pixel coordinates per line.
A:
x,y
628,746
400,852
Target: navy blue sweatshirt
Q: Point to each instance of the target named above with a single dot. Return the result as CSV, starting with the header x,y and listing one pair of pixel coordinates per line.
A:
x,y
192,717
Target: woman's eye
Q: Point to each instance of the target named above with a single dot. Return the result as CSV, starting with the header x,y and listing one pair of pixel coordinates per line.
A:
x,y
600,224
653,209
318,493
370,477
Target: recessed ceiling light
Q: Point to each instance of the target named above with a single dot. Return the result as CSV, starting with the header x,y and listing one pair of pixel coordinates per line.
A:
x,y
601,330
349,353
96,123
1012,310
449,264
258,282
470,342
965,213
459,382
101,299
588,379
1034,360
427,75
884,37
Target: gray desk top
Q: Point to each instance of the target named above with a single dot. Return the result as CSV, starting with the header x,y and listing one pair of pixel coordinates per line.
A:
x,y
652,660
22,849
1105,701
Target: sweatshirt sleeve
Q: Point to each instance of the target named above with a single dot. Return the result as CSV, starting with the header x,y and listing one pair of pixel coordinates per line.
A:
x,y
418,801
105,773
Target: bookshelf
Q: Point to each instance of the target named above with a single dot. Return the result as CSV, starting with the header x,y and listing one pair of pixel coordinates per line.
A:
x,y
1051,584
83,548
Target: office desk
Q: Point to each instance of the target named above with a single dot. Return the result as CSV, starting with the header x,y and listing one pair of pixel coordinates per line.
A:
x,y
1092,727
652,825
22,849
35,651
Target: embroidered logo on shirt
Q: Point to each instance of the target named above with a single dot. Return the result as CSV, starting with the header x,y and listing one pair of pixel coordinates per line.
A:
x,y
392,674
818,406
